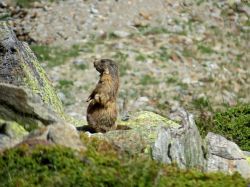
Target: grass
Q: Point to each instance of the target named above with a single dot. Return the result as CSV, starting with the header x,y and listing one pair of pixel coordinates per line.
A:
x,y
141,57
121,58
148,79
202,103
163,54
65,83
205,49
101,165
29,3
54,56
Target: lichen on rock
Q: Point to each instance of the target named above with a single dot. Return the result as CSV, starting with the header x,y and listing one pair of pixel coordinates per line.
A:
x,y
19,66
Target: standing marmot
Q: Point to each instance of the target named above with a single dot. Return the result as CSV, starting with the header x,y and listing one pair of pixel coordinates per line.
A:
x,y
102,110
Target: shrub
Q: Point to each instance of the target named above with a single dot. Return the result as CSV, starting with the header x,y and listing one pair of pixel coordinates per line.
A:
x,y
100,165
234,124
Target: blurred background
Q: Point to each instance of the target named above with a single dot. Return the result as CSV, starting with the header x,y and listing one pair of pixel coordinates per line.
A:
x,y
187,53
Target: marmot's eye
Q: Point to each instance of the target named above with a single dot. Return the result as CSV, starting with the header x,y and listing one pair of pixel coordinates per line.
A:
x,y
103,61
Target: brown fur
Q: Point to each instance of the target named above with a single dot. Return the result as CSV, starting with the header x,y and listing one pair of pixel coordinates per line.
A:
x,y
102,110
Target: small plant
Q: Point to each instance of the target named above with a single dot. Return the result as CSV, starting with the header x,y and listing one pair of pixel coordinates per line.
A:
x,y
29,3
121,58
205,49
202,103
147,79
65,83
141,57
172,80
164,54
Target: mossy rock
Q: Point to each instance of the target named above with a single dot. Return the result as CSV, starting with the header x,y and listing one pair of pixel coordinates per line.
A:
x,y
20,68
159,138
144,127
12,129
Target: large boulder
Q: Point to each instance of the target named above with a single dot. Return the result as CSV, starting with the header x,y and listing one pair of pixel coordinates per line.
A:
x,y
161,138
20,67
25,107
28,102
182,145
177,142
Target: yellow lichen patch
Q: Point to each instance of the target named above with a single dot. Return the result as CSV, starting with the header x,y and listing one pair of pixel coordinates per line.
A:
x,y
13,129
248,159
145,117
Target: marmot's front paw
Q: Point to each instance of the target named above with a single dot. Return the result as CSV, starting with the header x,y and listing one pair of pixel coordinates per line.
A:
x,y
97,98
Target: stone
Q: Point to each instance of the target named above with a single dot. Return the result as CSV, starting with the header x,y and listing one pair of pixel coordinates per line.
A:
x,y
182,145
161,138
12,129
61,133
225,156
121,34
20,67
142,135
25,87
26,108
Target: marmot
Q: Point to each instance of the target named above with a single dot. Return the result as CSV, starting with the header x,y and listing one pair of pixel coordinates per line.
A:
x,y
102,110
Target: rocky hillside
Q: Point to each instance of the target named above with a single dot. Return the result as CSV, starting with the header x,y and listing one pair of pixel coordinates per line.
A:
x,y
192,54
173,57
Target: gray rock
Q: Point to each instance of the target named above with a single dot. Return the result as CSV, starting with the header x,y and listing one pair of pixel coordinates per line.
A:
x,y
121,34
21,105
7,142
161,138
61,133
19,67
225,156
180,145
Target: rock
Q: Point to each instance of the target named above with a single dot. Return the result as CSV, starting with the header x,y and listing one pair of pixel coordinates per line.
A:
x,y
142,135
12,129
11,133
225,156
27,89
121,34
21,105
182,145
19,67
61,133
7,142
166,140
141,101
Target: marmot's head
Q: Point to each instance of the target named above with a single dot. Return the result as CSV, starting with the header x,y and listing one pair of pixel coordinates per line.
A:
x,y
106,66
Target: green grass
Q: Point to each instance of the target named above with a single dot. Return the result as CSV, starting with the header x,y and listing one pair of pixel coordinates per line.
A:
x,y
54,56
147,79
234,124
205,49
121,59
101,165
65,83
202,103
141,57
29,3
163,54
